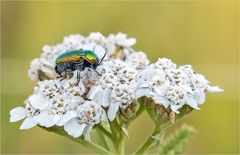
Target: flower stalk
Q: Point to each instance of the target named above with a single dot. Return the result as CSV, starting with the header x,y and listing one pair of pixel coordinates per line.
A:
x,y
118,137
104,131
87,144
156,136
102,140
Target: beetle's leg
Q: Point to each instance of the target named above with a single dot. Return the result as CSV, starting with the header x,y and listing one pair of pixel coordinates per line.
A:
x,y
62,79
65,70
78,76
78,67
63,76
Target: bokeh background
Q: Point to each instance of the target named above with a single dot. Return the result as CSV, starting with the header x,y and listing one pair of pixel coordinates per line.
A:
x,y
202,33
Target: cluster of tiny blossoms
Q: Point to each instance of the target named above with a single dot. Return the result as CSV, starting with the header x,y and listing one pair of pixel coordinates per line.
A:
x,y
126,75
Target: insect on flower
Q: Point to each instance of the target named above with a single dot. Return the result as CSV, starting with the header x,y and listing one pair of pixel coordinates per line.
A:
x,y
77,60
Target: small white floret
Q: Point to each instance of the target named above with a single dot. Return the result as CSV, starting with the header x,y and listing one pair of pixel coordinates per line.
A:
x,y
74,129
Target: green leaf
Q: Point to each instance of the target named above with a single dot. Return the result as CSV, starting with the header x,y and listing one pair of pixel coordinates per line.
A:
x,y
175,143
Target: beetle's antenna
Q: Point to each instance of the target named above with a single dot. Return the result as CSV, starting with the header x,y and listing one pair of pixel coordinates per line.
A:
x,y
95,70
102,58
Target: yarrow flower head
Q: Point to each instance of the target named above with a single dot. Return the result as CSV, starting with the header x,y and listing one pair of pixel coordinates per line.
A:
x,y
118,83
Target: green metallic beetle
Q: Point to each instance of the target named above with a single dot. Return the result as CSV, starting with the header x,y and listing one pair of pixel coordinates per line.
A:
x,y
77,60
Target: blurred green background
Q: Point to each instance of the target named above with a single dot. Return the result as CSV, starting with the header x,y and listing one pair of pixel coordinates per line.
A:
x,y
202,33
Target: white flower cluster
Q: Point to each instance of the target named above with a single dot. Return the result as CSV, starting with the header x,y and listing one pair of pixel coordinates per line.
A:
x,y
173,87
115,88
60,103
114,44
126,76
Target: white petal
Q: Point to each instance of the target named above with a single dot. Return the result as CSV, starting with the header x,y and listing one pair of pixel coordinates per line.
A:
x,y
144,84
73,128
47,69
104,116
103,97
127,42
67,117
112,111
93,91
160,75
38,101
214,89
187,88
88,46
76,100
158,90
199,96
56,118
35,64
149,73
143,92
175,108
120,36
87,133
47,120
161,100
48,63
192,103
161,90
100,51
17,114
29,122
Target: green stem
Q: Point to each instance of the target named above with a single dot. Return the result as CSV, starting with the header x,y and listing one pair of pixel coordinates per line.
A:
x,y
140,110
113,129
118,135
104,131
87,144
121,144
121,141
150,140
91,146
101,138
159,142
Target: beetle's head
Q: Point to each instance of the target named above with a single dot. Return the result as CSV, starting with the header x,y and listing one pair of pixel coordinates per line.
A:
x,y
59,68
95,64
